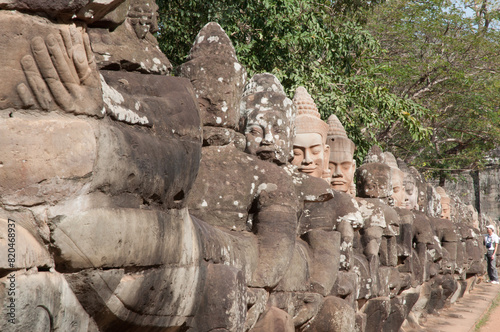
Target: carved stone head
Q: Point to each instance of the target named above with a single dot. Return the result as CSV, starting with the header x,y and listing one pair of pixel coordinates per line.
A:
x,y
397,176
374,180
267,121
411,189
445,203
311,153
217,76
341,163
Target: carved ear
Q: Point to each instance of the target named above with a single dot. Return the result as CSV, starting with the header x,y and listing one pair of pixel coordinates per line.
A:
x,y
327,156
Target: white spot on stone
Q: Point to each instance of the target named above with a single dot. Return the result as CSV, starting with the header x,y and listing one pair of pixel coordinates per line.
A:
x,y
113,100
220,79
157,61
200,39
218,120
237,66
212,39
204,203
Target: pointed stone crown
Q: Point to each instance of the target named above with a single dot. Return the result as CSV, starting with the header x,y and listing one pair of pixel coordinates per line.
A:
x,y
308,118
444,196
212,41
265,82
391,160
375,155
335,128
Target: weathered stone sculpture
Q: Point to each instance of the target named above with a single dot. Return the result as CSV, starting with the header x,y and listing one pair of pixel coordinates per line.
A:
x,y
445,203
397,179
261,198
311,153
90,175
268,119
100,161
341,162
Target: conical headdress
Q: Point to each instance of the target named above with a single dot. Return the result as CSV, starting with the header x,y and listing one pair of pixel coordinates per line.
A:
x,y
335,128
308,119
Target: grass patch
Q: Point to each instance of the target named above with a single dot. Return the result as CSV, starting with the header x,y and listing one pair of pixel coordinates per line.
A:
x,y
486,316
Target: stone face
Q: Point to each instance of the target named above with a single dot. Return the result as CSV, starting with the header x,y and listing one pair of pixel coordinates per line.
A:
x,y
311,153
163,209
267,117
374,181
341,163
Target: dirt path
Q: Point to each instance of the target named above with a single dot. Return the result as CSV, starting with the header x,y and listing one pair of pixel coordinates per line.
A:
x,y
466,312
493,323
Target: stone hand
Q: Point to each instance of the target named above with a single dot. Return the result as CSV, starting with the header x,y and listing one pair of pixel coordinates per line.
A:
x,y
61,72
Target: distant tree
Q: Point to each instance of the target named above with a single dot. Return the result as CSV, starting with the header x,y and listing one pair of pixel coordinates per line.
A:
x,y
321,45
447,62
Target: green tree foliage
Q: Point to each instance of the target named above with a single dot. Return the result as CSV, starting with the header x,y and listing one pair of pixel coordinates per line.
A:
x,y
446,61
321,45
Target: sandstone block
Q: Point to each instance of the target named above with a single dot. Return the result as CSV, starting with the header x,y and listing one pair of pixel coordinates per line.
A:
x,y
224,300
335,315
25,251
171,236
42,301
274,320
50,167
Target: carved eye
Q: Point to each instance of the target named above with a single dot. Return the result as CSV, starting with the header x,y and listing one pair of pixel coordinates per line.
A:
x,y
316,150
254,130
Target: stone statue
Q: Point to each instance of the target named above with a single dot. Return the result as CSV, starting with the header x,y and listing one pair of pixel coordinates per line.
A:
x,y
410,185
251,200
445,203
100,183
397,179
311,153
268,117
341,163
142,201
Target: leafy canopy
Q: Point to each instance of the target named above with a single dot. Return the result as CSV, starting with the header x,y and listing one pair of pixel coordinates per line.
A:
x,y
321,45
445,60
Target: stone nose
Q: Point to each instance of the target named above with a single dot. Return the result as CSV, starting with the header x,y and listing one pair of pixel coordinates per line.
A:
x,y
336,172
307,158
268,139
